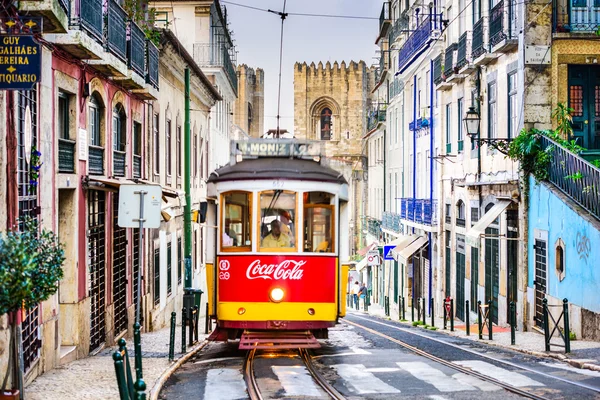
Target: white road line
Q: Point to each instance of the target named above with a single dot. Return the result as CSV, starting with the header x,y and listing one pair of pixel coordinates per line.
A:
x,y
214,360
361,381
503,375
382,369
436,397
225,384
358,350
465,379
433,376
569,368
296,381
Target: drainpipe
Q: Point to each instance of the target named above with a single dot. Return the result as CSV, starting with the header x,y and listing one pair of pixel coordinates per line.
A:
x,y
431,130
414,170
478,86
187,214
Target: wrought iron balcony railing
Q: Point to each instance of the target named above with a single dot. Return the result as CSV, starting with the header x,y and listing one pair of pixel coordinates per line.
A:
x,y
449,60
66,155
576,16
396,87
116,30
391,222
375,117
66,5
384,18
421,211
374,226
216,55
137,166
463,55
419,39
152,64
437,70
91,17
574,176
479,48
399,27
136,49
96,160
502,22
119,163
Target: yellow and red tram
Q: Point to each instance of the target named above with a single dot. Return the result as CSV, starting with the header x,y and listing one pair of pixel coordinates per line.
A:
x,y
279,214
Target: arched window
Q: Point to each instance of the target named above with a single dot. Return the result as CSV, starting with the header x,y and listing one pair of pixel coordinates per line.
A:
x,y
119,129
460,213
326,124
96,135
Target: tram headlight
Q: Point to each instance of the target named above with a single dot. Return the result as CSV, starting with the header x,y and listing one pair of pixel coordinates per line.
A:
x,y
276,295
241,310
311,311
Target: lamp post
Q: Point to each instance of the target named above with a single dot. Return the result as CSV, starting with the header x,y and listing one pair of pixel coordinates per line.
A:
x,y
472,120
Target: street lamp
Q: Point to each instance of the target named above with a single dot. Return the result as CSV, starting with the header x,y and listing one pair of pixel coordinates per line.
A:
x,y
472,119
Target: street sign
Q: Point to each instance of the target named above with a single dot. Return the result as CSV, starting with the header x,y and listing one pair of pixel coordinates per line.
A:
x,y
387,252
129,205
373,258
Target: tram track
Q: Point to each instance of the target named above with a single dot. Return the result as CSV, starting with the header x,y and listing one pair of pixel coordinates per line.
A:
x,y
459,368
254,392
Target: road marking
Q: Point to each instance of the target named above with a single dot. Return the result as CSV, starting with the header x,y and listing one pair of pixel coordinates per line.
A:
x,y
296,381
382,369
224,384
433,376
362,381
503,375
569,368
465,379
436,397
214,360
357,350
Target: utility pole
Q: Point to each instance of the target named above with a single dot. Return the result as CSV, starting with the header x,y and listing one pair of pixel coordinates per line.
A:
x,y
188,297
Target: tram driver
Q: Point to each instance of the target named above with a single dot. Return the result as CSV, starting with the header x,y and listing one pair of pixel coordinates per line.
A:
x,y
276,238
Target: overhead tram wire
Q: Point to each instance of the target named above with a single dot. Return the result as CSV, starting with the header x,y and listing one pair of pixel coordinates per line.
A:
x,y
283,16
301,14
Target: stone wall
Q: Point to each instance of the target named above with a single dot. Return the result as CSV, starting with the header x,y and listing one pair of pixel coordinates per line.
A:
x,y
251,87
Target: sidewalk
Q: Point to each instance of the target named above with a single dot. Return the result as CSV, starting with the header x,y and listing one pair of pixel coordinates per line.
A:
x,y
94,377
584,354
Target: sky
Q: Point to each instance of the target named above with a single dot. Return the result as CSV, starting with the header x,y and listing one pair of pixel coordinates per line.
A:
x,y
306,39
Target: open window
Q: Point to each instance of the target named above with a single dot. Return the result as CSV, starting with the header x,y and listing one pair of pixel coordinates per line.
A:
x,y
277,220
236,234
318,222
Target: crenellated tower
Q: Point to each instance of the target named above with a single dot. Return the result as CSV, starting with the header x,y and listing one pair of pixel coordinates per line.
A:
x,y
249,110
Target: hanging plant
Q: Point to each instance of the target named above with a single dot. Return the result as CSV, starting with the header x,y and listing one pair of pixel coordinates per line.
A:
x,y
34,169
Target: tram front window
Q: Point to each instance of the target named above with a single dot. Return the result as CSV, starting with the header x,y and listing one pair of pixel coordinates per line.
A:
x,y
318,222
236,221
277,220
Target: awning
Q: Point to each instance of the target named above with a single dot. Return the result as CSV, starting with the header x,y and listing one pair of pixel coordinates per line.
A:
x,y
365,250
105,184
361,264
403,242
479,228
166,191
412,248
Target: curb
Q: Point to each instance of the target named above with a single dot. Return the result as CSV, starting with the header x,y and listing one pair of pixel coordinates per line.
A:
x,y
556,356
173,367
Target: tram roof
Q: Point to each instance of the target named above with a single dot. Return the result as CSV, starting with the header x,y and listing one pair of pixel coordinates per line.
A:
x,y
280,168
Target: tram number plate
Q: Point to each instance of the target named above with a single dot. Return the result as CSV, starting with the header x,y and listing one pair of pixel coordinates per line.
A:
x,y
278,183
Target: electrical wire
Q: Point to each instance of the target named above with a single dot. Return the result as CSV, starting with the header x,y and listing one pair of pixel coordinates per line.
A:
x,y
301,14
283,16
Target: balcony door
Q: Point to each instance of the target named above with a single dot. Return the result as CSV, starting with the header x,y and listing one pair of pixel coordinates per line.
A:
x,y
584,99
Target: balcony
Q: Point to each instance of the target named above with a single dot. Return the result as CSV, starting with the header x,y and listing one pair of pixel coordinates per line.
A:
x,y
565,165
449,61
419,211
209,55
150,92
374,227
391,222
418,41
137,166
503,27
480,50
463,55
375,118
384,21
96,160
396,87
116,30
119,163
381,72
437,70
399,27
136,58
54,13
576,16
66,156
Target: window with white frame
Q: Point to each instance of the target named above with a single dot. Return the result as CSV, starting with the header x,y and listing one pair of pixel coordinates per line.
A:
x,y
492,110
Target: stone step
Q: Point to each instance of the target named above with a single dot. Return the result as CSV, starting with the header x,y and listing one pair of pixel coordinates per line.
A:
x,y
68,354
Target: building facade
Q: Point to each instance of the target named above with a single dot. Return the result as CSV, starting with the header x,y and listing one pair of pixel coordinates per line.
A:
x,y
249,111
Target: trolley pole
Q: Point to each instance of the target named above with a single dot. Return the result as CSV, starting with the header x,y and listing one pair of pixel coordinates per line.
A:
x,y
188,297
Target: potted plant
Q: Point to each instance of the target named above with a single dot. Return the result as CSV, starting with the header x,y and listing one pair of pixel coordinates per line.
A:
x,y
30,267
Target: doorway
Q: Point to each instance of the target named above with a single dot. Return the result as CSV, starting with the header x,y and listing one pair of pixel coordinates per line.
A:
x,y
584,99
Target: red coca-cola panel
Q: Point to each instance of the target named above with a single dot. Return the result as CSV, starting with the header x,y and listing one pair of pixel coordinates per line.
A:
x,y
251,278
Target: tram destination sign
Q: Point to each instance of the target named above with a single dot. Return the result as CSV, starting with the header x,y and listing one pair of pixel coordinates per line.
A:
x,y
276,148
20,62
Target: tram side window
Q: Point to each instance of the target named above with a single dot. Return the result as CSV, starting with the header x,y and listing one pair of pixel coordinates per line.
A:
x,y
318,222
277,220
236,233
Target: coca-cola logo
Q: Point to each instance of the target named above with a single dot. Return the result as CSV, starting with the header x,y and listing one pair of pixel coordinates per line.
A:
x,y
287,269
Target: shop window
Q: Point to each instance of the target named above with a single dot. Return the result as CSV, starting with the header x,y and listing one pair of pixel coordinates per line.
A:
x,y
277,220
236,234
318,225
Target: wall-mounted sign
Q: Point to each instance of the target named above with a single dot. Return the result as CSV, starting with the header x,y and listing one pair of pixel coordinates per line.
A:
x,y
276,148
537,55
20,62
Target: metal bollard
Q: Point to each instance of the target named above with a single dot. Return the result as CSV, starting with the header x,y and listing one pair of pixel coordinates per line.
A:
x,y
183,323
206,319
137,348
451,315
479,322
513,320
567,330
432,313
197,311
172,336
423,308
546,328
126,366
120,371
191,320
412,310
445,315
418,309
490,318
140,390
467,319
